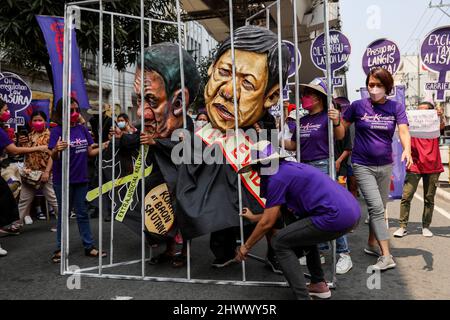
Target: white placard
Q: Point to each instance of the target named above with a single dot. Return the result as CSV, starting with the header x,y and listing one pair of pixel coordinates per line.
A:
x,y
424,124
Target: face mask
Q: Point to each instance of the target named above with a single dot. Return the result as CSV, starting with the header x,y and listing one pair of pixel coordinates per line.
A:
x,y
5,116
376,94
121,124
200,123
74,117
307,102
38,126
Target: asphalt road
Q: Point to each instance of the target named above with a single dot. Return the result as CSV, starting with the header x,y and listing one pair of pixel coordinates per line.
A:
x,y
423,270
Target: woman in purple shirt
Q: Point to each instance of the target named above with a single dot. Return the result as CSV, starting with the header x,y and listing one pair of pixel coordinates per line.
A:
x,y
375,121
324,210
81,147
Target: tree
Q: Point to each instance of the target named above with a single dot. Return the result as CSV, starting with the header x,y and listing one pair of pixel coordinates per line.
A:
x,y
22,43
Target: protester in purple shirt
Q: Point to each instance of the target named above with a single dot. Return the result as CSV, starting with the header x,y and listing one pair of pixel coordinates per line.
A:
x,y
375,121
81,147
325,211
314,149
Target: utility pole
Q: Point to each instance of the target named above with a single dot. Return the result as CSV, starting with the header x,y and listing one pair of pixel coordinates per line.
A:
x,y
418,72
440,6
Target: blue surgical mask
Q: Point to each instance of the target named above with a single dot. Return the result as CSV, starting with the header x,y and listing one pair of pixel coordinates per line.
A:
x,y
121,124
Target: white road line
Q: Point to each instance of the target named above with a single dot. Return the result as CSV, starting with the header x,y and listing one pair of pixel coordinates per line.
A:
x,y
436,208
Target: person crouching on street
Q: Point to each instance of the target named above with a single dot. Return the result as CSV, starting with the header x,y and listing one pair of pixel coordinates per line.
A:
x,y
325,212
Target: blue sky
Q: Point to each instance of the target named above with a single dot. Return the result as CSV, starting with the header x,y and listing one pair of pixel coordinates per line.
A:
x,y
402,21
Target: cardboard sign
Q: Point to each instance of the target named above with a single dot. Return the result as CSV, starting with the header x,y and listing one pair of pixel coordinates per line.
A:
x,y
424,124
159,216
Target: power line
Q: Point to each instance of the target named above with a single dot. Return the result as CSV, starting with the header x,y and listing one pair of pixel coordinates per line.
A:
x,y
423,29
417,25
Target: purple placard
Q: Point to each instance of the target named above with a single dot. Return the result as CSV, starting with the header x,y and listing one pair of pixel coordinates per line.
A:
x,y
291,47
53,30
340,51
382,53
435,55
17,95
398,167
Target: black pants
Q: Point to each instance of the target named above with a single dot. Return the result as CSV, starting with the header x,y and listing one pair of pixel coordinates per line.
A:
x,y
303,235
9,210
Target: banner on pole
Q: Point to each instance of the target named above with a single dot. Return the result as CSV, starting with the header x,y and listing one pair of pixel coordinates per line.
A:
x,y
435,55
424,124
340,50
382,53
17,95
53,30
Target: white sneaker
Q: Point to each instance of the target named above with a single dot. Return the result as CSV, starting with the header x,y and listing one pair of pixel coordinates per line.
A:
x,y
302,260
366,221
344,263
427,233
384,263
400,233
28,220
3,252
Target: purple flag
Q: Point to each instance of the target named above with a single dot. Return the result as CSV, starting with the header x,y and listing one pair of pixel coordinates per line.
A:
x,y
53,30
398,168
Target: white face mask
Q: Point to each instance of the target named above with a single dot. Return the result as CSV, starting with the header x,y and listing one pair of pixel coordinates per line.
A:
x,y
376,94
200,123
121,124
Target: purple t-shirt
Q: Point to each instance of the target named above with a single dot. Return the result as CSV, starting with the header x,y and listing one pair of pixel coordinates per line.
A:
x,y
313,137
80,139
374,128
4,140
310,193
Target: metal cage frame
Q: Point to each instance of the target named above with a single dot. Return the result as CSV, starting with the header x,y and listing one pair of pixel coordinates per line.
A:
x,y
71,11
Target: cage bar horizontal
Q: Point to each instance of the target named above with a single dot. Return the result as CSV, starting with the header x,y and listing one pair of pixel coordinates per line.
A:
x,y
128,16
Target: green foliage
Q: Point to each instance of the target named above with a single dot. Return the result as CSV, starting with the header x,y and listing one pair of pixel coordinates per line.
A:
x,y
22,43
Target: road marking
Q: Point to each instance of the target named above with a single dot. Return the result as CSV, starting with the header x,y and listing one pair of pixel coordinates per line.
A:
x,y
436,208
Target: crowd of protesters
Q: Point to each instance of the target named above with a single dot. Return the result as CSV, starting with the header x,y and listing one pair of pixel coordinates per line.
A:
x,y
363,162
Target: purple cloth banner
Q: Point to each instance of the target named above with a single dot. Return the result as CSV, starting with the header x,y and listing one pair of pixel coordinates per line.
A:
x,y
36,105
53,30
398,169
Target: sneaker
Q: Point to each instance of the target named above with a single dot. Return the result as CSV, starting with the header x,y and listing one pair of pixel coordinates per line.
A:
x,y
344,263
222,262
53,229
372,251
366,221
3,252
427,233
272,263
400,233
384,263
28,220
73,215
41,216
319,290
302,260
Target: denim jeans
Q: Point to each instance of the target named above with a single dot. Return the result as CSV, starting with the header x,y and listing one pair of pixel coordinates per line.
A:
x,y
301,234
77,200
341,243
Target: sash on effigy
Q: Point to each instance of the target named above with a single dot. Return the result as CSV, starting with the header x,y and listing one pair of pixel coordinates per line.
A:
x,y
236,156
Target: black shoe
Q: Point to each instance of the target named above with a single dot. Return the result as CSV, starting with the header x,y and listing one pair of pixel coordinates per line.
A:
x,y
94,214
41,216
222,262
273,264
107,219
